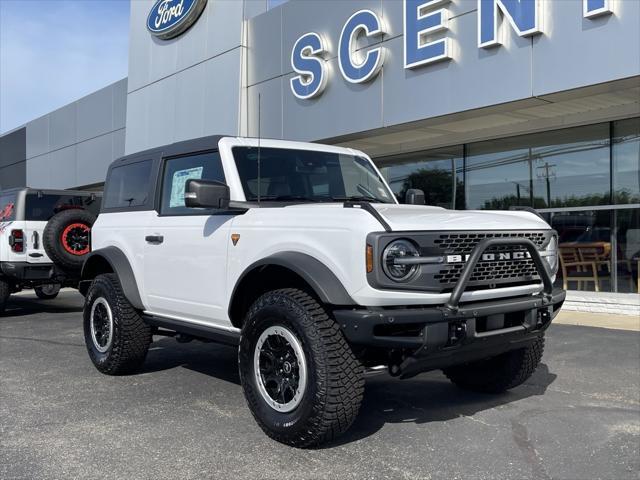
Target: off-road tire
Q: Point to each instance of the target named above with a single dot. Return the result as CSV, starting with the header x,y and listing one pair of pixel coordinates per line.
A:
x,y
335,377
52,238
45,296
499,373
5,292
131,336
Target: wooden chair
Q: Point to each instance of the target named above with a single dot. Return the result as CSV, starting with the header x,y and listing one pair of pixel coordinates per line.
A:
x,y
574,269
593,254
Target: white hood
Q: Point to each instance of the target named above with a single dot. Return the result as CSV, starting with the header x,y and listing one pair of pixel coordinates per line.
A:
x,y
417,217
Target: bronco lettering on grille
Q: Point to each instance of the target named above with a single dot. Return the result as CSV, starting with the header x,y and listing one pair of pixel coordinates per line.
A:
x,y
490,257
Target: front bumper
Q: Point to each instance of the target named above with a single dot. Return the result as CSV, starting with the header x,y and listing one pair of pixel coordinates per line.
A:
x,y
428,338
439,337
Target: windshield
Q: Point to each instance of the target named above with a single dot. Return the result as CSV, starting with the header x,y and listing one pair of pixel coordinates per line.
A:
x,y
305,175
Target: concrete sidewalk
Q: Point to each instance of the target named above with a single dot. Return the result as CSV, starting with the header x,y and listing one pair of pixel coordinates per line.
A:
x,y
602,320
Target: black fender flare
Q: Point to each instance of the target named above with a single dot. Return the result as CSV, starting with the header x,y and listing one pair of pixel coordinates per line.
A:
x,y
120,265
320,278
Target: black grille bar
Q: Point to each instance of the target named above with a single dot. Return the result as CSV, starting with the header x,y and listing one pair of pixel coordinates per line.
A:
x,y
476,255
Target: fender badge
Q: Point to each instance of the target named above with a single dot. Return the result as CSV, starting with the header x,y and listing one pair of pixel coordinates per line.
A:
x,y
234,238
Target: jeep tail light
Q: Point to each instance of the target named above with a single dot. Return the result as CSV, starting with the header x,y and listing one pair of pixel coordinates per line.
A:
x,y
16,241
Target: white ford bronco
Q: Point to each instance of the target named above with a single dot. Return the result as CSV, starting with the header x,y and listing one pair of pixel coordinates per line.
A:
x,y
300,255
45,236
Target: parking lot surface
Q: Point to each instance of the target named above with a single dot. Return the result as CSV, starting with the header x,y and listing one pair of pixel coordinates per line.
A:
x,y
184,415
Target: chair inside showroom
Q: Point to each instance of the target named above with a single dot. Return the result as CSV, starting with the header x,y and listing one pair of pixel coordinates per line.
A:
x,y
574,269
595,255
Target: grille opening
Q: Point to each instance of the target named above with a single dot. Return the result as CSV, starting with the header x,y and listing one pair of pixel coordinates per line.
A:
x,y
399,330
488,271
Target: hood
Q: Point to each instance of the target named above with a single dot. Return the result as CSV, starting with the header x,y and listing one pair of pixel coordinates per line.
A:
x,y
418,218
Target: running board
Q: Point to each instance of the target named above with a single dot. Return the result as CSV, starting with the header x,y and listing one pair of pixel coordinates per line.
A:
x,y
207,332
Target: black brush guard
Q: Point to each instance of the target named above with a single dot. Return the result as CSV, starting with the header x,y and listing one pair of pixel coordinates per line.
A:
x,y
454,333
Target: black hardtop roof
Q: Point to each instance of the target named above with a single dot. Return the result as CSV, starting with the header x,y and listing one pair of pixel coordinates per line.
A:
x,y
48,191
178,148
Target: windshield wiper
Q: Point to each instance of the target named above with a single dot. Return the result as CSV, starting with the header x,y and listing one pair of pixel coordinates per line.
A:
x,y
357,198
287,198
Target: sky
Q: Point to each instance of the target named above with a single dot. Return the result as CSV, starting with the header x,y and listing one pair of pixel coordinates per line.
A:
x,y
53,52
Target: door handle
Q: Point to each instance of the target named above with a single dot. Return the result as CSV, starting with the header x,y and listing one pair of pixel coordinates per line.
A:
x,y
154,239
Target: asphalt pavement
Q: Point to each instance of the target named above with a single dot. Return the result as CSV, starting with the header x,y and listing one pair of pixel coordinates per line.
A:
x,y
184,415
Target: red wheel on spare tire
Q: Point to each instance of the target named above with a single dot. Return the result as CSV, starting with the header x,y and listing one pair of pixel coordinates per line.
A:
x,y
67,238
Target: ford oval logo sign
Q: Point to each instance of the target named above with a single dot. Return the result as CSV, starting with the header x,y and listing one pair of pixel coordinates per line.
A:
x,y
169,18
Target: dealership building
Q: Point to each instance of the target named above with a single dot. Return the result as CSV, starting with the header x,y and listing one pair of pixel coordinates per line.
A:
x,y
483,104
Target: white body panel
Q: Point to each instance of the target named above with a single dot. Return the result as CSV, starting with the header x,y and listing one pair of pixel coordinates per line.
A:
x,y
33,246
185,275
192,274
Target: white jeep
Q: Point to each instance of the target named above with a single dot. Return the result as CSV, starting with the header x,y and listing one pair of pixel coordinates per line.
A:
x,y
44,238
300,254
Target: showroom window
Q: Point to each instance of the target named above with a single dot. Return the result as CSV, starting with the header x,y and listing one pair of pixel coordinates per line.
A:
x,y
439,173
626,161
562,168
584,180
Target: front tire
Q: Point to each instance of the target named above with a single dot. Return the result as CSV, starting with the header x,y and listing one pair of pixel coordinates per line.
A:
x,y
5,292
116,337
499,373
47,292
302,382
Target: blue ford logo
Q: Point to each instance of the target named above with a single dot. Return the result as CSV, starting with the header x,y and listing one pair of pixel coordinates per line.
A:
x,y
169,18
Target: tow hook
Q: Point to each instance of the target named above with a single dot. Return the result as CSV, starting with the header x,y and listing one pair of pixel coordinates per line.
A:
x,y
457,332
544,317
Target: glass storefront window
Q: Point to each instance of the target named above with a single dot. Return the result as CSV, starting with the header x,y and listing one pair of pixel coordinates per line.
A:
x,y
628,249
439,173
585,249
626,161
567,174
561,168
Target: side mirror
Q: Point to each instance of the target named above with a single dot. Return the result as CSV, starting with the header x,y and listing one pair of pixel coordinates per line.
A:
x,y
414,196
206,194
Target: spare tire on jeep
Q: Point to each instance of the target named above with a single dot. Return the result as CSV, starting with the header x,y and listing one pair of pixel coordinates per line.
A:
x,y
67,238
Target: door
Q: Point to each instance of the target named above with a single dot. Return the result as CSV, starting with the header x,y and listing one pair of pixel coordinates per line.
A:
x,y
185,259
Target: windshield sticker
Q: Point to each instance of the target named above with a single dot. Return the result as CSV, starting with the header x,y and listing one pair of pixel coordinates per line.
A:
x,y
6,212
179,183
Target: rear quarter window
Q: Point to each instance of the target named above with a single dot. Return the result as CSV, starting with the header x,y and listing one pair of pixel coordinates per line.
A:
x,y
128,186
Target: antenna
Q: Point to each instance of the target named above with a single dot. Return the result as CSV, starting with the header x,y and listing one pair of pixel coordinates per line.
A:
x,y
259,122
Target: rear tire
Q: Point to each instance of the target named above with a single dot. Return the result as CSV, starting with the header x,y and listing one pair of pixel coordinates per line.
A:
x,y
5,292
500,373
47,292
116,337
67,238
328,402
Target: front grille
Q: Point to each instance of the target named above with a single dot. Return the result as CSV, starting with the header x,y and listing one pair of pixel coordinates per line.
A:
x,y
463,243
488,271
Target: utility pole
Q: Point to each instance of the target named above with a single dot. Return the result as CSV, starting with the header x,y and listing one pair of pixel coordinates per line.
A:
x,y
547,174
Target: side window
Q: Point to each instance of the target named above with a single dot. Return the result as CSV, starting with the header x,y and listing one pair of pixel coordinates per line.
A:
x,y
204,166
128,186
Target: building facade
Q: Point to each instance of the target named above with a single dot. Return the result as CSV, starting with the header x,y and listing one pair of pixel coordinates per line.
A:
x,y
481,103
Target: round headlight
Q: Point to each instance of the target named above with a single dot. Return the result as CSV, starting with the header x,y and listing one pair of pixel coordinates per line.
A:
x,y
392,256
550,255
